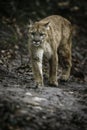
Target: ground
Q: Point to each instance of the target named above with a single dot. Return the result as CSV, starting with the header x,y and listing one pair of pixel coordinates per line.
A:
x,y
22,107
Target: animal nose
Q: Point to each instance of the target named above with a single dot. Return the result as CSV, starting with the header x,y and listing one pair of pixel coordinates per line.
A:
x,y
36,41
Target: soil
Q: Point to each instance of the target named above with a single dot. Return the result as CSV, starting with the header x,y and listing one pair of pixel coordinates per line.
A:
x,y
22,106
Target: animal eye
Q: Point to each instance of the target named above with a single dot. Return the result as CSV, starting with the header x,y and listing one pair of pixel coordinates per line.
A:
x,y
42,34
32,33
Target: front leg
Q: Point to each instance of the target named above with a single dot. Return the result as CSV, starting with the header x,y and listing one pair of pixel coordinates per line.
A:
x,y
53,63
37,67
37,71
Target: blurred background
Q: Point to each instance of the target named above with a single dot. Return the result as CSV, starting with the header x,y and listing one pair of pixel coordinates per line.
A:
x,y
15,16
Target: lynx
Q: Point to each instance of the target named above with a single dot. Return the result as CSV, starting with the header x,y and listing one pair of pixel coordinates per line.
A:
x,y
51,37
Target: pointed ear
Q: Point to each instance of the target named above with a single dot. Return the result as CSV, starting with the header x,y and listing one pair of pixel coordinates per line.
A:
x,y
30,23
47,25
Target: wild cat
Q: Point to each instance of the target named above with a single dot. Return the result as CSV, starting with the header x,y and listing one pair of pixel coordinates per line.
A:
x,y
51,37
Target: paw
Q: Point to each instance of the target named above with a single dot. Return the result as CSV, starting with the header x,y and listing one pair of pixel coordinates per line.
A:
x,y
64,77
53,83
39,85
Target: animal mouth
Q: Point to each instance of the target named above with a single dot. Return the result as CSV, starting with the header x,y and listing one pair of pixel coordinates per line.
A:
x,y
36,43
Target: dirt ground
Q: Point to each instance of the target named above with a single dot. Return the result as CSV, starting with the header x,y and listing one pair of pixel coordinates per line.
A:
x,y
22,107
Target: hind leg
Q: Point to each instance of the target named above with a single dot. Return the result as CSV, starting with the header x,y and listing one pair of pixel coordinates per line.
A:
x,y
65,58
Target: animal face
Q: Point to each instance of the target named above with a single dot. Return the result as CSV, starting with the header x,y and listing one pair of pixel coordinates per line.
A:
x,y
38,33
